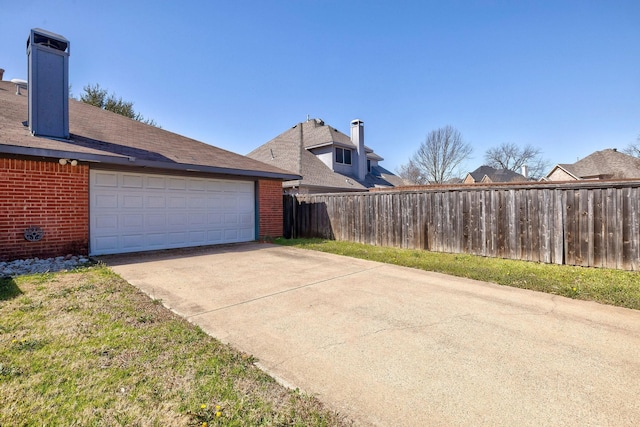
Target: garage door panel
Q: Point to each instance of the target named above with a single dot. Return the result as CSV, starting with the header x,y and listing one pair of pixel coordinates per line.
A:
x,y
244,187
132,201
156,240
198,202
198,237
214,236
105,244
107,222
156,202
231,235
230,219
177,183
106,200
246,234
132,181
198,219
246,220
214,202
133,241
155,220
197,185
177,219
135,212
215,219
245,204
135,221
213,186
177,202
105,179
178,238
228,187
156,183
229,202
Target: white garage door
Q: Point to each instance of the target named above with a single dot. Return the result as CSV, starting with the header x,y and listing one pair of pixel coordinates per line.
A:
x,y
133,212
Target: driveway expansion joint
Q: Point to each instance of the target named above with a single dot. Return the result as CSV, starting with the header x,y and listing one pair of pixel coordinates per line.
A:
x,y
285,291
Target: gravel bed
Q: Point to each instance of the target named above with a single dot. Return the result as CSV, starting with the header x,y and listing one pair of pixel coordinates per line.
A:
x,y
37,265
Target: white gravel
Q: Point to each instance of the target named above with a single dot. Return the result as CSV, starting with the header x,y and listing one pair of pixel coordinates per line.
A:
x,y
37,265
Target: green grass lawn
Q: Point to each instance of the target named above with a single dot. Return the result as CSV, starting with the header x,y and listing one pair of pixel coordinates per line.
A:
x,y
615,287
86,348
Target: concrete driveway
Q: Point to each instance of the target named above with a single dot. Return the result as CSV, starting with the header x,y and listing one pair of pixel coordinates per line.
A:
x,y
393,346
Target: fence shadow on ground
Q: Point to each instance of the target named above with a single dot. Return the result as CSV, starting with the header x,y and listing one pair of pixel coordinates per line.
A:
x,y
8,289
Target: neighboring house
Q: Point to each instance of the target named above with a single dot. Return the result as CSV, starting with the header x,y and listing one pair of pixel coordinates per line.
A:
x,y
485,174
605,164
78,179
327,159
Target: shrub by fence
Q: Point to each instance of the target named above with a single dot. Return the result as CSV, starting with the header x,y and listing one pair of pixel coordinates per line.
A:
x,y
585,223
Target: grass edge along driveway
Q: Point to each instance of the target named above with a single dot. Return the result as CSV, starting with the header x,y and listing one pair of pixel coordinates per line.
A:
x,y
87,348
606,286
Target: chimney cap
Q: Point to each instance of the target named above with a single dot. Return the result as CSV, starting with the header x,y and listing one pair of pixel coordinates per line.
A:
x,y
47,38
356,122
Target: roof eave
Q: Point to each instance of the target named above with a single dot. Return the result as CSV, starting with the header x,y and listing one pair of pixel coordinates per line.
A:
x,y
329,143
132,161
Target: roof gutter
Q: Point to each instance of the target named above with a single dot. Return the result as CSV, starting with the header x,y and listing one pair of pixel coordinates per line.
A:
x,y
132,161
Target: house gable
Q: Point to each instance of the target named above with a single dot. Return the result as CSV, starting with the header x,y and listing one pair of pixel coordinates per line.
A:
x,y
560,173
326,158
600,165
486,174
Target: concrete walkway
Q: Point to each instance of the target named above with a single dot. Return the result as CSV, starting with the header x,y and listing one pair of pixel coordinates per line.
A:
x,y
393,346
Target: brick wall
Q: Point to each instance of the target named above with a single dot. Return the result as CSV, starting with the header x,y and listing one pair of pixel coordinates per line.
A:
x,y
270,208
48,195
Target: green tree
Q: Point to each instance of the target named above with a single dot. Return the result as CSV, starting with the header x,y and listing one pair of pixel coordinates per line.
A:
x,y
99,97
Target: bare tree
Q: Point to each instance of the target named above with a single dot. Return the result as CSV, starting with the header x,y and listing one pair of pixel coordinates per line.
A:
x,y
411,174
440,155
512,157
633,149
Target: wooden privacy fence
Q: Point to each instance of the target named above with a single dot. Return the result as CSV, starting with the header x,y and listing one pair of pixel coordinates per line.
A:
x,y
592,224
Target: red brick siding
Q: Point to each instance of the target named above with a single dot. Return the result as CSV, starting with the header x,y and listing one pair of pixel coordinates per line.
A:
x,y
50,196
270,208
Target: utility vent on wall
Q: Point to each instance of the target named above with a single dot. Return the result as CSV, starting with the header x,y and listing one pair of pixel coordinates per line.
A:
x,y
48,63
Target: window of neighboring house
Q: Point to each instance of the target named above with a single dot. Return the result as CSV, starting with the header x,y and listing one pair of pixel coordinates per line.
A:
x,y
343,156
368,165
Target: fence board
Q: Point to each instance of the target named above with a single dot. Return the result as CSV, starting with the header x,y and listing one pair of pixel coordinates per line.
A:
x,y
599,242
534,227
611,234
587,224
626,229
545,245
635,228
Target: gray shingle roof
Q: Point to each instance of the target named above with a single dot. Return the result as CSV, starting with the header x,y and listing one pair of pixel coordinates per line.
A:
x,y
496,175
605,164
290,151
100,135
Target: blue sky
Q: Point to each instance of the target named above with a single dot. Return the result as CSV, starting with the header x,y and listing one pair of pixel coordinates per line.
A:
x,y
563,76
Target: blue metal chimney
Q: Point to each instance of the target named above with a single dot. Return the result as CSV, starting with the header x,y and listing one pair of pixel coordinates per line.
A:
x,y
48,58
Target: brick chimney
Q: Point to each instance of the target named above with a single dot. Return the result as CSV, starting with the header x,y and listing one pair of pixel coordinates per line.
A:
x,y
357,138
48,68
